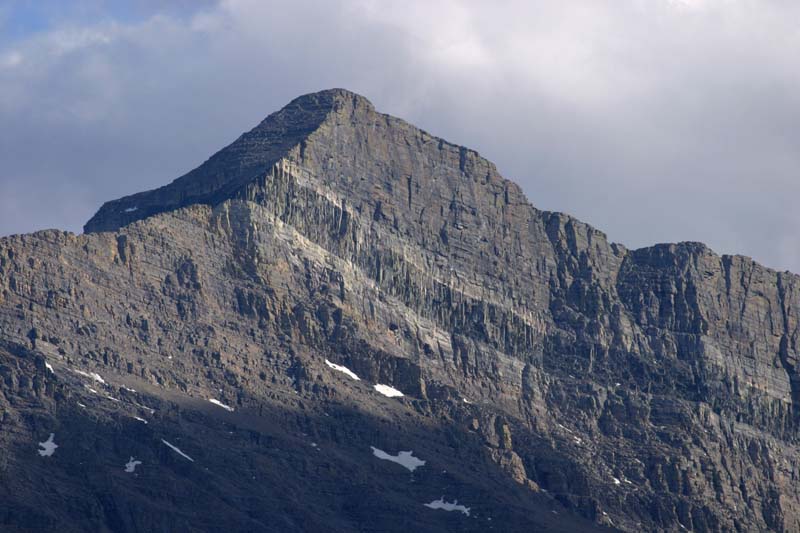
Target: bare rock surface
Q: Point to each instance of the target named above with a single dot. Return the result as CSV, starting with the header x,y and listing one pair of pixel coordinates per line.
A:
x,y
551,380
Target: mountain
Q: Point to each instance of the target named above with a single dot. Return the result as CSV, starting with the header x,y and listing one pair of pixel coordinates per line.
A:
x,y
213,329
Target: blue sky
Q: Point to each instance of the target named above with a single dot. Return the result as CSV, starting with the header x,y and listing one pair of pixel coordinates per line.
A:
x,y
21,18
653,120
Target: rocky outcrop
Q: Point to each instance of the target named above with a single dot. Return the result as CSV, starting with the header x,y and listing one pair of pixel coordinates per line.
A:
x,y
557,380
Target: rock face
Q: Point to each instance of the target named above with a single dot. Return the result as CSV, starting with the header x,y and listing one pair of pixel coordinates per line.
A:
x,y
552,380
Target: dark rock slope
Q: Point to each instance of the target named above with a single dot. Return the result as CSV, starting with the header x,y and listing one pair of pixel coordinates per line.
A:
x,y
553,381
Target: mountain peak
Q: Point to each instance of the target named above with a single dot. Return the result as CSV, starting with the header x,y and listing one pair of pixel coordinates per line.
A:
x,y
331,99
241,162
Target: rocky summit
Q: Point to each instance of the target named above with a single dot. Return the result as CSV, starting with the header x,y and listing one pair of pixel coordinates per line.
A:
x,y
343,323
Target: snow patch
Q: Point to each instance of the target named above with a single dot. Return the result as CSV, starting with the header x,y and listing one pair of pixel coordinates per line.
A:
x,y
145,407
220,404
616,481
388,391
130,466
445,506
49,367
140,419
405,459
131,209
177,450
90,389
342,369
93,375
49,447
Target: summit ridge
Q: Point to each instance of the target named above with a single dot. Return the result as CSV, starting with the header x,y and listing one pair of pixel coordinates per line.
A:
x,y
249,156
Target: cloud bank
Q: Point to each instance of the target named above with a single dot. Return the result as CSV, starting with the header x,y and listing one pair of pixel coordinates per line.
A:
x,y
653,120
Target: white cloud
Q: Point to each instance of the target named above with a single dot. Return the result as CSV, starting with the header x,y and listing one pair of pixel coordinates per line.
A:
x,y
11,59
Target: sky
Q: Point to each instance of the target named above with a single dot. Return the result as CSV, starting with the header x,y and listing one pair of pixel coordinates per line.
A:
x,y
652,120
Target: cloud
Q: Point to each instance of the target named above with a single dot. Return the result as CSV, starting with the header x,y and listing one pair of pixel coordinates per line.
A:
x,y
654,120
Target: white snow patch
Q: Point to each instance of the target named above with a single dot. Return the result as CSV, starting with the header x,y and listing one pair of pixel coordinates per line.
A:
x,y
90,389
94,375
405,459
49,447
220,404
616,481
466,401
177,450
386,390
128,389
140,419
445,506
130,466
49,367
145,407
131,209
111,398
80,404
343,369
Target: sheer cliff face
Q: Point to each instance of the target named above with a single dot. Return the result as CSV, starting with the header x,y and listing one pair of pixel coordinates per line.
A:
x,y
557,380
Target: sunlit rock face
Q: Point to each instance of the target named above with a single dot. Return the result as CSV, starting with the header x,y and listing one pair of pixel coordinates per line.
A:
x,y
336,282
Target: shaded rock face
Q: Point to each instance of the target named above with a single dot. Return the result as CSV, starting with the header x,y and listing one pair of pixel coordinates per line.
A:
x,y
552,380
